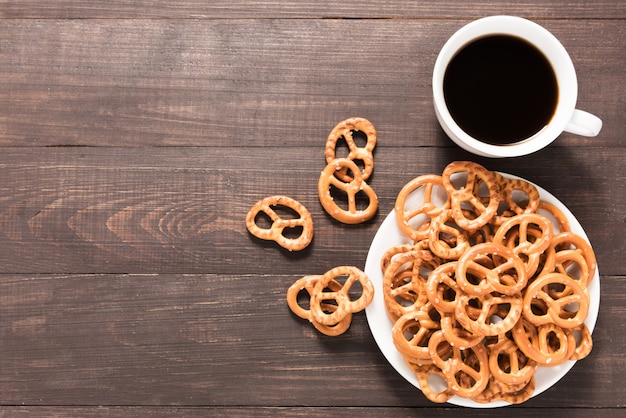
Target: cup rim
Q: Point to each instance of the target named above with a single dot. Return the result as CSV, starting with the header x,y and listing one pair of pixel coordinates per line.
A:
x,y
541,38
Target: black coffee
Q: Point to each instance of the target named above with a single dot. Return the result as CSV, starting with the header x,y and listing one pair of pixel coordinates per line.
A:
x,y
500,89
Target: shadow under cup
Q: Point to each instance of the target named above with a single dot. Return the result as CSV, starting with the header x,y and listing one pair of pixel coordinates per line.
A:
x,y
504,86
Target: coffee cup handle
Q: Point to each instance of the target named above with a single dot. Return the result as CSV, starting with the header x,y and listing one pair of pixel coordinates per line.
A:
x,y
584,123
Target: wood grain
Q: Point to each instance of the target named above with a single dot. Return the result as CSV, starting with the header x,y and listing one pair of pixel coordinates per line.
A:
x,y
214,339
197,9
182,210
250,83
135,136
191,412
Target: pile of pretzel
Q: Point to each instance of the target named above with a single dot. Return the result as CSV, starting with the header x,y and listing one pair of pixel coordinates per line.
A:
x,y
344,174
332,297
341,175
489,289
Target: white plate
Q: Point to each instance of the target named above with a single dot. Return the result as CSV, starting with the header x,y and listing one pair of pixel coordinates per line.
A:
x,y
389,235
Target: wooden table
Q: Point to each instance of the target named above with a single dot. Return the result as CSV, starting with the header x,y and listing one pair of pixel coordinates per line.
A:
x,y
134,138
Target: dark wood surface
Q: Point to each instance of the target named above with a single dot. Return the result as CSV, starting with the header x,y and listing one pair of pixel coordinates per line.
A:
x,y
135,136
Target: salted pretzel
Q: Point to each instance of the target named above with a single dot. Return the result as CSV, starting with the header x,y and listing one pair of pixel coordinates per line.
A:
x,y
445,239
528,234
559,216
509,187
571,241
404,287
347,130
411,333
521,395
466,371
559,311
346,303
307,283
548,344
276,231
428,206
489,304
355,186
399,249
498,391
573,264
533,260
424,373
490,267
469,194
457,335
508,364
442,288
584,342
449,363
444,354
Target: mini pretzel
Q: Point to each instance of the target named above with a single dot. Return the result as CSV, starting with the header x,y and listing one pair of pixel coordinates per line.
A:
x,y
522,395
516,369
404,288
584,343
423,374
396,250
356,185
411,333
526,242
498,391
308,283
468,194
495,390
457,335
573,264
345,304
276,231
442,288
477,278
346,130
472,375
508,187
441,229
452,361
557,309
532,260
404,217
483,323
560,217
560,348
569,240
534,342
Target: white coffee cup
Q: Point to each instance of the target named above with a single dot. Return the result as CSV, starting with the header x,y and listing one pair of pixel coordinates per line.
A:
x,y
565,116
